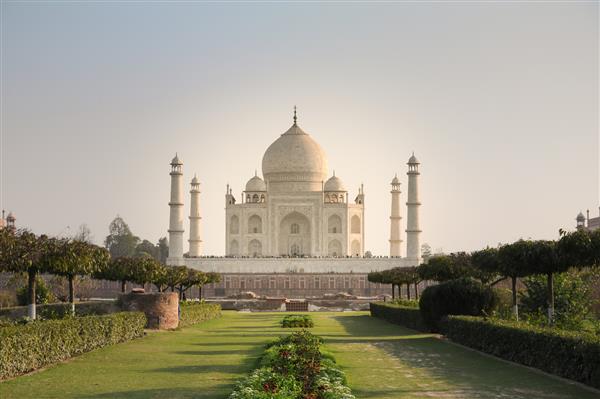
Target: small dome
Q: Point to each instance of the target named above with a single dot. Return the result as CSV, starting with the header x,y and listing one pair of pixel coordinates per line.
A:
x,y
413,159
195,180
334,184
10,217
395,180
580,216
176,160
256,184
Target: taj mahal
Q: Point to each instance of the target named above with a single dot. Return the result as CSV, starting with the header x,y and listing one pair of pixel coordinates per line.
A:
x,y
295,231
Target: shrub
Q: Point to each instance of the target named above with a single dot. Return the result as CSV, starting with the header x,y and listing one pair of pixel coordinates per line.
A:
x,y
291,321
565,353
572,299
27,347
196,312
403,315
407,303
456,297
43,294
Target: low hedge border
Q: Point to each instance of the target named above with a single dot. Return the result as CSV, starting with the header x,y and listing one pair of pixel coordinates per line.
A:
x,y
28,347
196,312
567,354
398,314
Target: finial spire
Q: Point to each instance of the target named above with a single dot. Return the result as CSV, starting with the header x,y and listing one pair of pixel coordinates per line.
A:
x,y
334,173
255,172
295,116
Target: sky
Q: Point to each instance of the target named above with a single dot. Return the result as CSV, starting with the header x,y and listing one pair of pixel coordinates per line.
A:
x,y
499,101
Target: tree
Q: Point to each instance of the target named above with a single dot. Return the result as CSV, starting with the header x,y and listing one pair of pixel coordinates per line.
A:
x,y
84,234
544,258
446,267
78,258
426,252
23,252
175,276
147,248
486,263
211,277
120,241
163,250
513,263
118,269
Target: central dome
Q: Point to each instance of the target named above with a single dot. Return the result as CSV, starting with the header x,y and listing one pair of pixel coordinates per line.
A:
x,y
295,156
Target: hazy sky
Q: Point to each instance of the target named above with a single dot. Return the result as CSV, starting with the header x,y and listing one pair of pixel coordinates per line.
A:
x,y
498,101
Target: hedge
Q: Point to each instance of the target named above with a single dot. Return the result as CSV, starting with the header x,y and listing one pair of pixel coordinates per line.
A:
x,y
195,312
403,315
564,353
463,296
28,347
297,320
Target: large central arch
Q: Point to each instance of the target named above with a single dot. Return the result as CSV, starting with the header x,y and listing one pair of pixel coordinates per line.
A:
x,y
294,235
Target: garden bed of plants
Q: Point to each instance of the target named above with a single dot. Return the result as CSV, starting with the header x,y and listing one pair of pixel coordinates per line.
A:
x,y
37,344
195,312
568,354
294,367
297,320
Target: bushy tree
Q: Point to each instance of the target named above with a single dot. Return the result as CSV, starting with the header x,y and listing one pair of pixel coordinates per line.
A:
x,y
464,296
23,252
513,263
78,258
572,298
120,241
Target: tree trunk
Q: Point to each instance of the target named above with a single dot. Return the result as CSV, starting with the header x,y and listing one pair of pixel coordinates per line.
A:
x,y
417,291
393,292
72,294
123,283
550,298
31,294
514,298
200,292
408,291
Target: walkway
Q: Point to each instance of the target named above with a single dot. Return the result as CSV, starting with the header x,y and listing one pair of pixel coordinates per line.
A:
x,y
381,360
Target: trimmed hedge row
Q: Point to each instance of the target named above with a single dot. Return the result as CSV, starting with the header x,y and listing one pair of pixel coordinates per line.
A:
x,y
196,312
297,320
567,354
403,315
28,347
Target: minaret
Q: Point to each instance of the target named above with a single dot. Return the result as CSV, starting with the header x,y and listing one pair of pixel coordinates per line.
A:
x,y
176,217
395,220
413,230
195,218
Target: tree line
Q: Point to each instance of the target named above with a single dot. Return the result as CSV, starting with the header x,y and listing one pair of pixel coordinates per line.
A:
x,y
22,251
579,249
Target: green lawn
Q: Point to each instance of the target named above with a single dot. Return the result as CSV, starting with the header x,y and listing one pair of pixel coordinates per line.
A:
x,y
382,361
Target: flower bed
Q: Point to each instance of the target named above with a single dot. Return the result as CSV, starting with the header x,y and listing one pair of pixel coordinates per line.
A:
x,y
28,347
297,320
294,367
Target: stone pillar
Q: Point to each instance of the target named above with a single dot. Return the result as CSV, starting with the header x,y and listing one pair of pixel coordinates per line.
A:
x,y
195,219
413,230
176,217
395,220
161,308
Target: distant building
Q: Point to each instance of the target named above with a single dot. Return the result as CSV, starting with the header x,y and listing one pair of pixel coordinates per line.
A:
x,y
294,231
9,221
587,223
